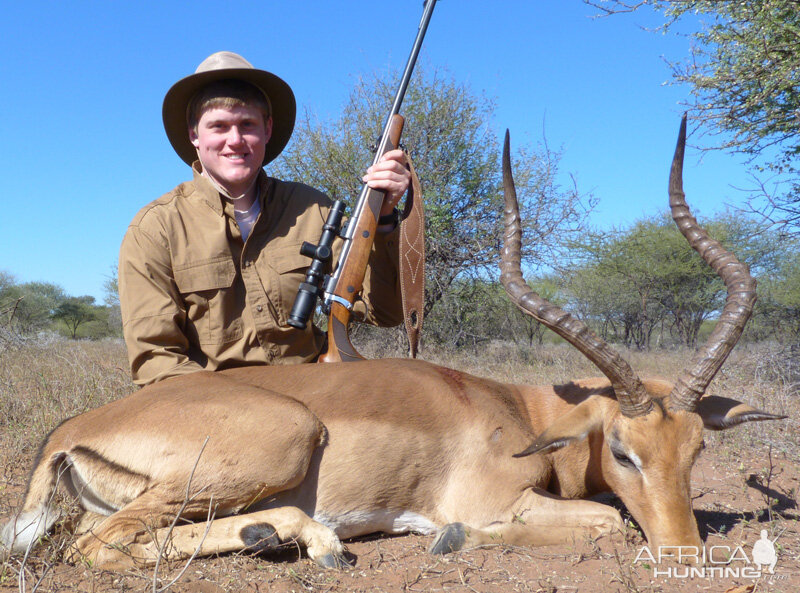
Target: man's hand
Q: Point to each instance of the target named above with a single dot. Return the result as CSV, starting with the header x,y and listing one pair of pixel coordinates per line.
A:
x,y
392,176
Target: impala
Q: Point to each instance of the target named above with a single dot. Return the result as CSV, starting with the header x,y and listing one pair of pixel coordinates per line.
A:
x,y
259,456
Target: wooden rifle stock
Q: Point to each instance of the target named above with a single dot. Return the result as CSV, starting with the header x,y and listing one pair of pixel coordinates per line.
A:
x,y
353,267
340,290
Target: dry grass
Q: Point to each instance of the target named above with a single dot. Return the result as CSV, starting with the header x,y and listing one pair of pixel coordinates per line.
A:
x,y
49,380
43,381
751,483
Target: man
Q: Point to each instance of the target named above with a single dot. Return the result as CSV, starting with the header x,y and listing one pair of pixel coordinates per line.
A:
x,y
208,272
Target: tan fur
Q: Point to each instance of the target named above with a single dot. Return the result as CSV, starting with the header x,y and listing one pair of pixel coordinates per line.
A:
x,y
317,451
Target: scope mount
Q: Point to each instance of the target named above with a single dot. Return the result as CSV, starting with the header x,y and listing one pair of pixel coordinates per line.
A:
x,y
318,271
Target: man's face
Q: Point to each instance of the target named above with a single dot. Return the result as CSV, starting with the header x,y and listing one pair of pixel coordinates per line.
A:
x,y
230,142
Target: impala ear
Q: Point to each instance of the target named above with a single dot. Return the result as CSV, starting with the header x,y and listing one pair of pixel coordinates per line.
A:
x,y
575,425
719,413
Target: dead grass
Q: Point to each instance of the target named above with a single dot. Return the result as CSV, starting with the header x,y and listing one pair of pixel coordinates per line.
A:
x,y
47,381
747,480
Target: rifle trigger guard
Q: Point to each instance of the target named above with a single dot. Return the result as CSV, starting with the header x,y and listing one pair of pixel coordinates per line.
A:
x,y
337,299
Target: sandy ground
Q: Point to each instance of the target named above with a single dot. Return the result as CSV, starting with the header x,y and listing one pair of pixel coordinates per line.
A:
x,y
735,497
745,481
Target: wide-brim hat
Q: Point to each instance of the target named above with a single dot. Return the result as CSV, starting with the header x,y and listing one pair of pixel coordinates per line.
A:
x,y
225,65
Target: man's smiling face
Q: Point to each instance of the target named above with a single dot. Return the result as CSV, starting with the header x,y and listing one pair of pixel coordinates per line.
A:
x,y
230,143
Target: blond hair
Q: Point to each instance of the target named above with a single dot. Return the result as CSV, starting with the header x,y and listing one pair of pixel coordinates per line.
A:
x,y
227,94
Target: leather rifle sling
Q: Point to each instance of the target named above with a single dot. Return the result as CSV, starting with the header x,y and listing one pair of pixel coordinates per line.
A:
x,y
412,261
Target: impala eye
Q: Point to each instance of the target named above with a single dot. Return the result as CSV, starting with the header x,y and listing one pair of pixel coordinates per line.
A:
x,y
621,457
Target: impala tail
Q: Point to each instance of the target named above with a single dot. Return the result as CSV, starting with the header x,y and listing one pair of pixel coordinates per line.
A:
x,y
38,513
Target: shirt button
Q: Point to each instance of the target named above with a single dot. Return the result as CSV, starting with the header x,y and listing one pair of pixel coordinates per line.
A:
x,y
259,308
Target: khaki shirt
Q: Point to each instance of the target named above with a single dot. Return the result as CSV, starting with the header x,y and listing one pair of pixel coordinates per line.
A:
x,y
195,297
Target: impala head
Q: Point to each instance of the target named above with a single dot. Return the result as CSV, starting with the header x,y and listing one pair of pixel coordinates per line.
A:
x,y
652,431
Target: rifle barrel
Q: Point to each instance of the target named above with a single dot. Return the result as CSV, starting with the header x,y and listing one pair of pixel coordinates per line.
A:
x,y
398,100
406,78
393,126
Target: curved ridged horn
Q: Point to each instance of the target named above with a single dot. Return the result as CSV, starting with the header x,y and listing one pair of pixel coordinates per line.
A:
x,y
741,286
631,395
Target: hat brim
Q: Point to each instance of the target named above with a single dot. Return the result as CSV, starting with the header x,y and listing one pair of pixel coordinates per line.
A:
x,y
280,95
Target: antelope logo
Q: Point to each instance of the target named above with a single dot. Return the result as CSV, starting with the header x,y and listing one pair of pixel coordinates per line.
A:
x,y
321,452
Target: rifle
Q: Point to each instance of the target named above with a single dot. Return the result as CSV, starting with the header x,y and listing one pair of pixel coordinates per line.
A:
x,y
340,289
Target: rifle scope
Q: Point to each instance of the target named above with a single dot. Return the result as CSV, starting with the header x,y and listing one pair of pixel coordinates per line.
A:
x,y
321,256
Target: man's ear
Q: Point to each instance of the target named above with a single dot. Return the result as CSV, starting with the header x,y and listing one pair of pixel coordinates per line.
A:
x,y
193,138
719,413
572,426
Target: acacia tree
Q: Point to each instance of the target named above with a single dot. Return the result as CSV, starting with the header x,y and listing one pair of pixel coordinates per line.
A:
x,y
111,301
27,307
619,283
75,312
642,278
523,328
777,312
455,152
744,72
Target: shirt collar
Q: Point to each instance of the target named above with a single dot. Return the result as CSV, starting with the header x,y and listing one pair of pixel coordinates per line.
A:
x,y
211,196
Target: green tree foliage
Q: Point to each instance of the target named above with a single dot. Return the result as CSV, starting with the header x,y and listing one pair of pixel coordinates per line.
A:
x,y
638,280
27,307
618,285
511,322
466,315
477,310
32,307
113,314
75,312
456,155
744,72
40,299
777,312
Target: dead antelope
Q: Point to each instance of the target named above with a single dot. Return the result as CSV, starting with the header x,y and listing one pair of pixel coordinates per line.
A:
x,y
317,453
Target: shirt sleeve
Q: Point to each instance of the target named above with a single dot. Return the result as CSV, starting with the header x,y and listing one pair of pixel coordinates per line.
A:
x,y
153,312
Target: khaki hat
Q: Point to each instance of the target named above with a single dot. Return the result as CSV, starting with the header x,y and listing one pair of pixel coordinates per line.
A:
x,y
225,65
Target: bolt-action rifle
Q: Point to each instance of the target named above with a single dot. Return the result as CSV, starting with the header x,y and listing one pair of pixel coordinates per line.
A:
x,y
340,289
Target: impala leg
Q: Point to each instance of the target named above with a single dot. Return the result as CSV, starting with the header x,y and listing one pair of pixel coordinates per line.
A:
x,y
88,521
273,458
539,520
106,542
257,532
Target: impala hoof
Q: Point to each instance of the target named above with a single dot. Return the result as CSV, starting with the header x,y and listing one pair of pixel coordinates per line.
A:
x,y
260,537
334,561
450,538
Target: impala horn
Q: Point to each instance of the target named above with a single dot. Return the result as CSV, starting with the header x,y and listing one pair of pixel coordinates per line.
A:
x,y
741,286
631,395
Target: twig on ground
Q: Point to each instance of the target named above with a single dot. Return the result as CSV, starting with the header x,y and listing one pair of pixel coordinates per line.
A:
x,y
188,497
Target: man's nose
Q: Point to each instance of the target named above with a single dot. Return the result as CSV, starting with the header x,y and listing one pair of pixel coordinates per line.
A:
x,y
235,135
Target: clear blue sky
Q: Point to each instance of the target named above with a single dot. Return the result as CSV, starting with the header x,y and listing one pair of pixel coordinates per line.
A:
x,y
84,148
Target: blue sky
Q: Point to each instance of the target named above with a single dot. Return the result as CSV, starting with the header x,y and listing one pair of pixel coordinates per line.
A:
x,y
83,82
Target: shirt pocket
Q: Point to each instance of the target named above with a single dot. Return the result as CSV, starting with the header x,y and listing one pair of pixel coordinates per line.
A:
x,y
207,288
288,268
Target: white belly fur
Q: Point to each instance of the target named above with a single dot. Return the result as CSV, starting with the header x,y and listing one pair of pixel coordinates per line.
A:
x,y
355,523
